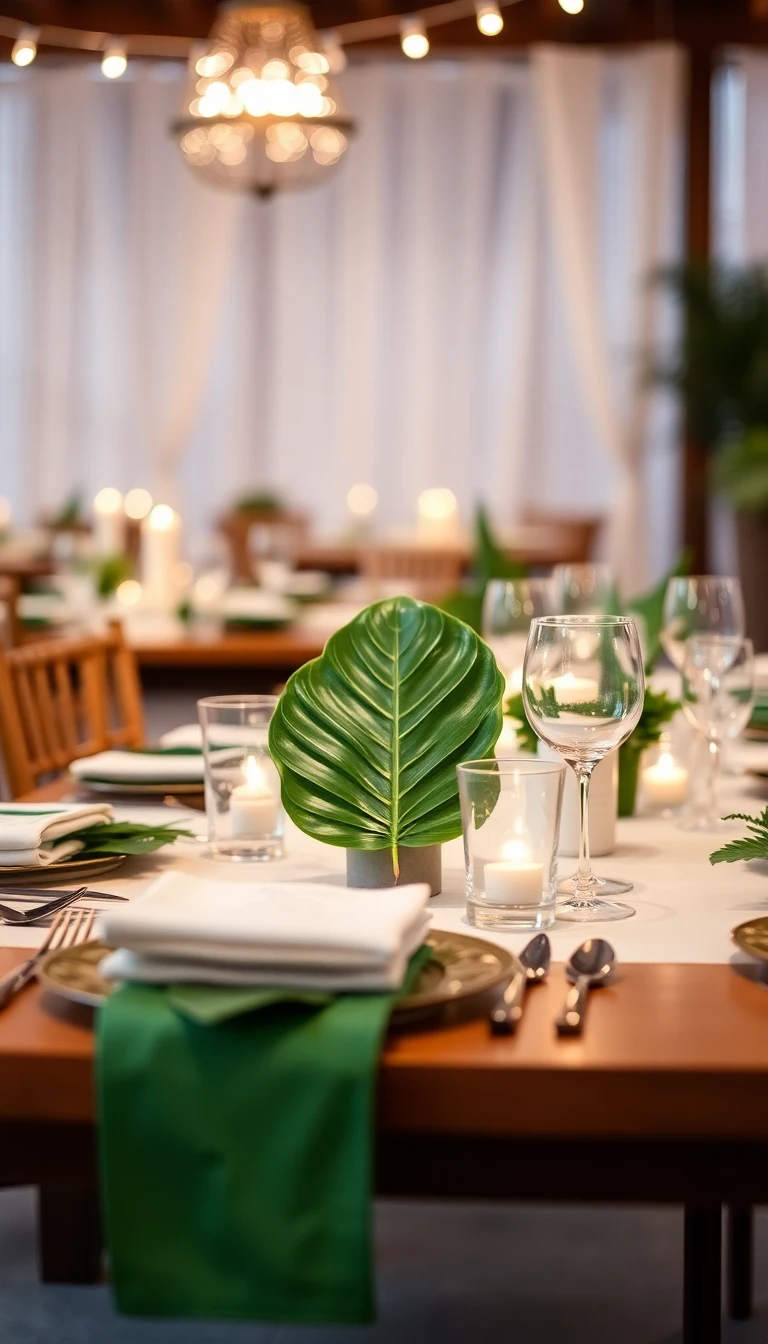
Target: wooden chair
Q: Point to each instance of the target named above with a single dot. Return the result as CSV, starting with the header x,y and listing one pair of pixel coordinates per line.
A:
x,y
273,534
62,699
10,626
426,572
573,539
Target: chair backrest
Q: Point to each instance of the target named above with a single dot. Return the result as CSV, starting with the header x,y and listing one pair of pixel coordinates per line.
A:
x,y
66,698
10,629
427,572
268,534
573,539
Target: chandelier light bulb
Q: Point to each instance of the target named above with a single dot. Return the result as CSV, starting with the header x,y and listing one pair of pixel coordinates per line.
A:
x,y
24,48
572,6
489,19
413,37
114,62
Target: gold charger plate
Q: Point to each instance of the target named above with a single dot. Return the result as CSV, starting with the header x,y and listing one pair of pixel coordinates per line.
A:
x,y
460,976
752,937
66,870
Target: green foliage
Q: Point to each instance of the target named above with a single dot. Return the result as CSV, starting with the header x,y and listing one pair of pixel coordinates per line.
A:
x,y
109,572
650,608
658,710
526,737
70,512
125,837
368,736
260,501
720,367
740,471
488,562
754,845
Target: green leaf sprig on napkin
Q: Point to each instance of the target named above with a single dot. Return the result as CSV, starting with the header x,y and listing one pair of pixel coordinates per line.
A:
x,y
753,845
125,837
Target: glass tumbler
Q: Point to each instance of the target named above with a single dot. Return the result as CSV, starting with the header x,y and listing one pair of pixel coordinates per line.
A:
x,y
510,814
242,786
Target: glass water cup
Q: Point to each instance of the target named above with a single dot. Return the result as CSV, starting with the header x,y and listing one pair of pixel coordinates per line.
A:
x,y
242,786
510,813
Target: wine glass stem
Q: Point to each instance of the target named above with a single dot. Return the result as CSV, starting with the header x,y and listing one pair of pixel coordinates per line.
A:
x,y
584,882
713,752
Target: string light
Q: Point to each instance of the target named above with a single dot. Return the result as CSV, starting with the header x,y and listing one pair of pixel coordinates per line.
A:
x,y
413,37
24,48
572,6
489,19
114,62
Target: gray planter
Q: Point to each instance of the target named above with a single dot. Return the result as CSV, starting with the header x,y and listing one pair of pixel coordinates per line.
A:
x,y
373,867
752,542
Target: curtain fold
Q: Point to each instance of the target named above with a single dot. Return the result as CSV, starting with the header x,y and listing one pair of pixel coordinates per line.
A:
x,y
569,92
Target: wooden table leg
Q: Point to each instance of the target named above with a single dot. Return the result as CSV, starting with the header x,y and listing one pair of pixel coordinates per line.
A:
x,y
702,1274
740,1260
69,1240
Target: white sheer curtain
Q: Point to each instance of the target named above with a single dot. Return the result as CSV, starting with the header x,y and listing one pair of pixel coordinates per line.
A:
x,y
410,323
605,324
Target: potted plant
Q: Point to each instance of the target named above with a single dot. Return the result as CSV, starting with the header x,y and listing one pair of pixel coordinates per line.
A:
x,y
368,736
720,369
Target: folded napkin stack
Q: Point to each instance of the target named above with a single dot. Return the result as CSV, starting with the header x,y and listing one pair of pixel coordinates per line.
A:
x,y
300,935
172,766
32,835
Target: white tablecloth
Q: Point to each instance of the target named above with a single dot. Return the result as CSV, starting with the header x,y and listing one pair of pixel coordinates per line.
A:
x,y
685,906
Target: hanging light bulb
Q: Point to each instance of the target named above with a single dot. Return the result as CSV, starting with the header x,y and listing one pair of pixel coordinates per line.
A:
x,y
261,110
489,19
114,62
24,49
572,6
413,37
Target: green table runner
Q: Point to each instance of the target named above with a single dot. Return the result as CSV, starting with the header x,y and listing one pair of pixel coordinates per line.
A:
x,y
236,1132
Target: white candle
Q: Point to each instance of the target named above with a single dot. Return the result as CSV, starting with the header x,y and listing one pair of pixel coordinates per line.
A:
x,y
253,807
665,784
108,522
572,690
160,539
514,879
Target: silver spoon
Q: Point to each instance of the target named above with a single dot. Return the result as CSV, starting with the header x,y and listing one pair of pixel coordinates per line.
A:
x,y
532,967
590,967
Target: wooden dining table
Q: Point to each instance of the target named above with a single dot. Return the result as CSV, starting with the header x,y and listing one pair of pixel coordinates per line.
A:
x,y
663,1100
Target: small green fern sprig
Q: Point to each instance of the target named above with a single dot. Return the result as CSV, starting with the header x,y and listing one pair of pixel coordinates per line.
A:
x,y
125,837
754,845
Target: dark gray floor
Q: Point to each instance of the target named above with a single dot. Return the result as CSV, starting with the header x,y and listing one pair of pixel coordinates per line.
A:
x,y
471,1275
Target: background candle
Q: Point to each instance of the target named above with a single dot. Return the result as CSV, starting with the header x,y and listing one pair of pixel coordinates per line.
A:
x,y
665,785
108,522
160,543
514,879
253,807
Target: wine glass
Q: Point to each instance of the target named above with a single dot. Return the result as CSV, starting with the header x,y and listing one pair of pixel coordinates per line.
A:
x,y
700,604
582,590
583,688
509,606
718,695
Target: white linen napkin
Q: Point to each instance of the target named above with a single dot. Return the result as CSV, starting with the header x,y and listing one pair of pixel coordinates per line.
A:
x,y
300,934
126,767
29,831
219,735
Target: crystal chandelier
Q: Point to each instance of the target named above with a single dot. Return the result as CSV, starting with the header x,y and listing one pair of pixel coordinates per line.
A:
x,y
260,111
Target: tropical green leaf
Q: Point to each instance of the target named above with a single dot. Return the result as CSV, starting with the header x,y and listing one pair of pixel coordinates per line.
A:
x,y
754,845
650,608
367,737
491,562
125,837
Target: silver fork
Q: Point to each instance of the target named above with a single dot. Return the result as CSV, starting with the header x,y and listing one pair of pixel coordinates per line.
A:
x,y
69,928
